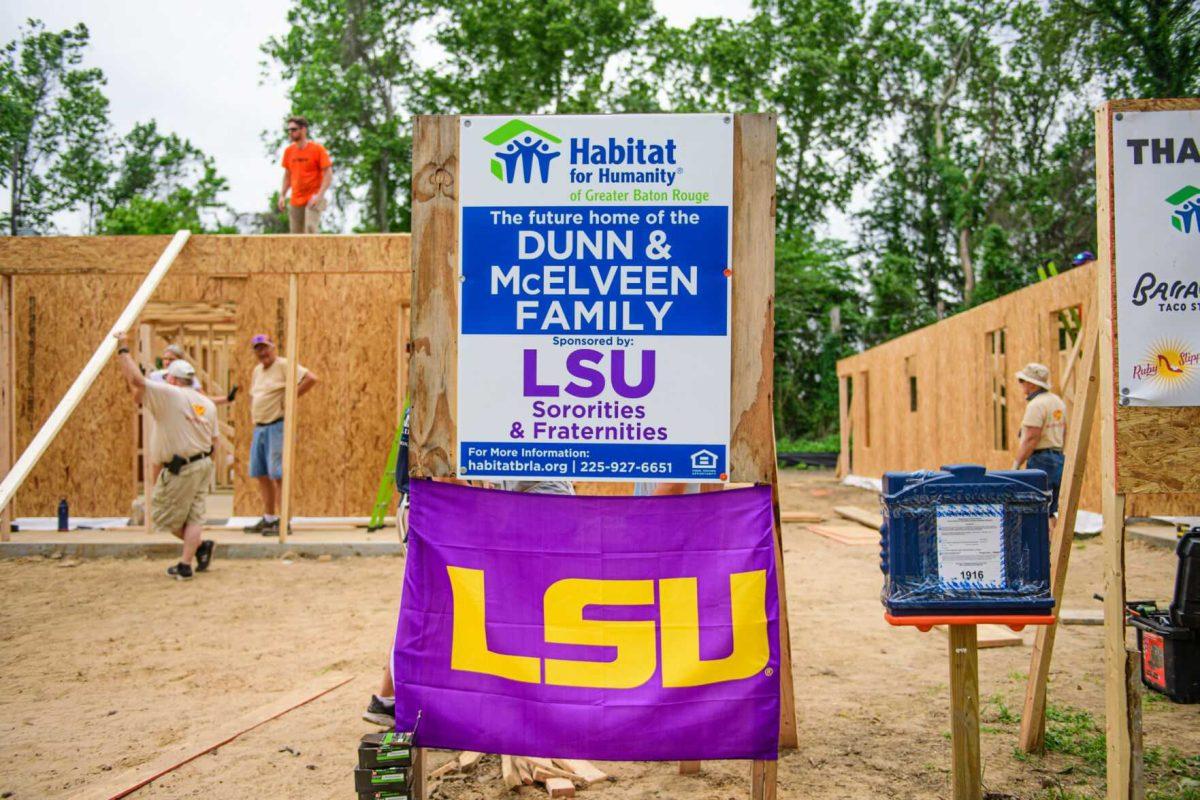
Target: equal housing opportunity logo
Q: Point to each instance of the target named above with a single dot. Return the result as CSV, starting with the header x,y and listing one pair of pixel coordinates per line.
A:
x,y
525,150
1185,217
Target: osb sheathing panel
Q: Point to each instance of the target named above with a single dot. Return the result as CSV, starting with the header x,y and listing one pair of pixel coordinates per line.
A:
x,y
347,422
952,423
206,255
347,335
59,321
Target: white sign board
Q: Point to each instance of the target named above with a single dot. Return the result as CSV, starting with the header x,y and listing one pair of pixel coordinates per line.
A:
x,y
970,545
594,297
1156,189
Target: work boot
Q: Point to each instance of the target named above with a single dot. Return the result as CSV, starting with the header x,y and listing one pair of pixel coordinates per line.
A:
x,y
257,527
271,528
180,572
204,554
381,712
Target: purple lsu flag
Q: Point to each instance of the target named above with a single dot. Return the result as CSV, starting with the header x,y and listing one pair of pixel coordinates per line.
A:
x,y
612,628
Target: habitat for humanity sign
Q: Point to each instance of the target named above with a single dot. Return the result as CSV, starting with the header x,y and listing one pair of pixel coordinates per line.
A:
x,y
595,297
1156,184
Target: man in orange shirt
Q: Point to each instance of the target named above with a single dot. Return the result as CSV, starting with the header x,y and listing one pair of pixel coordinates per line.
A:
x,y
307,172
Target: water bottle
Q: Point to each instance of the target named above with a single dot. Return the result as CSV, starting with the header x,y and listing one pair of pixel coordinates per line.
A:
x,y
64,515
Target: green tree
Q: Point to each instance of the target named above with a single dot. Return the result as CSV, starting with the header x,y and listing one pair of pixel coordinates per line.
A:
x,y
992,160
531,56
1151,47
349,66
161,183
53,125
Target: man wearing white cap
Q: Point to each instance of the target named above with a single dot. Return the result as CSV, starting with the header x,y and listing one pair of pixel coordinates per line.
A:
x,y
1043,429
184,436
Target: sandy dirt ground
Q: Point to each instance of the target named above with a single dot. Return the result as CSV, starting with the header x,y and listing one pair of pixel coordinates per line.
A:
x,y
107,664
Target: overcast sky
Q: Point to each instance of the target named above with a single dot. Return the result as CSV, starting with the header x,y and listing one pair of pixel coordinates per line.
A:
x,y
195,67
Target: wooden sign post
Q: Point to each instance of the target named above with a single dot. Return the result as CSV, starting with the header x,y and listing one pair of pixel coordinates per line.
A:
x,y
434,363
1149,453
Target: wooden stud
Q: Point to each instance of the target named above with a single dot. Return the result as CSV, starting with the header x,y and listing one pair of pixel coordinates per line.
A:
x,y
508,772
871,519
788,736
434,362
752,335
1116,705
8,385
290,409
402,340
763,780
1079,436
588,772
420,787
843,462
966,773
146,356
1133,693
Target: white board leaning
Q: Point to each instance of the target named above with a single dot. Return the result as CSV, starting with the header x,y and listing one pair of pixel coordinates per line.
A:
x,y
594,297
1156,186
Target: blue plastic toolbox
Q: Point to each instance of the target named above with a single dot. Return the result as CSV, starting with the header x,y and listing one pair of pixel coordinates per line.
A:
x,y
966,542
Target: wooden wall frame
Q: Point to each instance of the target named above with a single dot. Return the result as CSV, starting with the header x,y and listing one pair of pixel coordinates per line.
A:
x,y
434,362
65,291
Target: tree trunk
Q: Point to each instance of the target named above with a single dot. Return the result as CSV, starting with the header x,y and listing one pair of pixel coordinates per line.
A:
x,y
968,268
381,195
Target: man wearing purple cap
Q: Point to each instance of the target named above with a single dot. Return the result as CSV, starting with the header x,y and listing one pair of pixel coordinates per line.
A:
x,y
268,389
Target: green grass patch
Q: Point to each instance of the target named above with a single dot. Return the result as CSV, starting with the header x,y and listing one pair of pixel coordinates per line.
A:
x,y
825,444
1074,732
998,711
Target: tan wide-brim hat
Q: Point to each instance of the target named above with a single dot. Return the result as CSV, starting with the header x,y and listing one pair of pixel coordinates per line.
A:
x,y
1037,374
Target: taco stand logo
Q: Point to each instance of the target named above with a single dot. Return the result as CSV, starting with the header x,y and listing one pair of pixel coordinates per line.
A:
x,y
1185,214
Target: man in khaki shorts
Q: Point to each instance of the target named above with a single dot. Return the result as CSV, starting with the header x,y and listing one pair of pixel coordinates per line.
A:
x,y
307,173
185,432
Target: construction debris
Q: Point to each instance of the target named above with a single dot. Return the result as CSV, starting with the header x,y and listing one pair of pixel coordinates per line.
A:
x,y
846,534
560,776
872,519
800,516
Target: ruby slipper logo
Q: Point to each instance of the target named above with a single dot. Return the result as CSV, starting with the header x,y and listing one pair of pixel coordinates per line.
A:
x,y
1170,364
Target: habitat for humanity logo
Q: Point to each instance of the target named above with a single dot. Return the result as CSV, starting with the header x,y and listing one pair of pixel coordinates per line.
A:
x,y
522,147
1186,217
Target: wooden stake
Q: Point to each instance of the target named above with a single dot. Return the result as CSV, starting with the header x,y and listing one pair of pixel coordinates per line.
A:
x,y
1116,704
420,790
508,772
762,780
1133,694
689,767
8,385
788,737
1033,717
289,406
100,358
966,773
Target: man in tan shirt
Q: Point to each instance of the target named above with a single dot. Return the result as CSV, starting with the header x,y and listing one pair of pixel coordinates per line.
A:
x,y
1043,429
268,390
185,432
